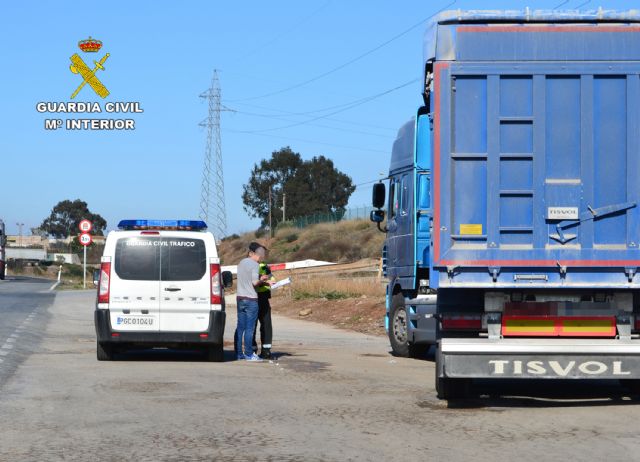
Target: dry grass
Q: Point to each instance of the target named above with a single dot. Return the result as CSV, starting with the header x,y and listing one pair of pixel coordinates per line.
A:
x,y
341,242
332,288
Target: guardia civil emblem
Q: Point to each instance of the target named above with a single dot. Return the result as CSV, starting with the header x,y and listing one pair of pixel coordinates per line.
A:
x,y
89,77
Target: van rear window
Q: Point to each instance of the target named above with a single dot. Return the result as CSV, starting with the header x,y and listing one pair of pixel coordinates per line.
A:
x,y
183,259
160,258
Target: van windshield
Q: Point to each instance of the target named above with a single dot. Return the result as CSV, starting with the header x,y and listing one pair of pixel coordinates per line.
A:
x,y
160,258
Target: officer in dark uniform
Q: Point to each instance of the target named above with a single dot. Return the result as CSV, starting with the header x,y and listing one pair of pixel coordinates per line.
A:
x,y
264,314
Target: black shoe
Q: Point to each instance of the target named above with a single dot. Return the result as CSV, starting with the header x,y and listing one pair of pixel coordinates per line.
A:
x,y
266,354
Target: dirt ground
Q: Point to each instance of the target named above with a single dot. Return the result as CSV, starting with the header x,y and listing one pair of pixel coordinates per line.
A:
x,y
364,314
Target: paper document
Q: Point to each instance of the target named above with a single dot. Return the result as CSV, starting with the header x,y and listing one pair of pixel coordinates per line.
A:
x,y
280,283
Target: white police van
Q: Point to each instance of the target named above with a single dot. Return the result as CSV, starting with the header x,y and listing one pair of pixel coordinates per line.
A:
x,y
160,285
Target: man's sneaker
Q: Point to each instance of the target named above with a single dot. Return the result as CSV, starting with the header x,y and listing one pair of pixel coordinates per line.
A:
x,y
241,357
254,358
266,354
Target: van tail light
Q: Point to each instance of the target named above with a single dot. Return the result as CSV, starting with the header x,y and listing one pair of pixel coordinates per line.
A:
x,y
104,284
216,285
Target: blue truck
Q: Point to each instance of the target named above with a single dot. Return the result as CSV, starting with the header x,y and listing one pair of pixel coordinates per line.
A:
x,y
513,218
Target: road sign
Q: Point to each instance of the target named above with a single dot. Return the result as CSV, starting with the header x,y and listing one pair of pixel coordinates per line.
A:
x,y
85,226
85,239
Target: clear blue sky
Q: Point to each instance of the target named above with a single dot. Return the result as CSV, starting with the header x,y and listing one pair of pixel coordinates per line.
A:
x,y
163,54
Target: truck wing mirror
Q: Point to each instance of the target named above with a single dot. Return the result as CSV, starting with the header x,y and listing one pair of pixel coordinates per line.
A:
x,y
227,279
379,194
377,216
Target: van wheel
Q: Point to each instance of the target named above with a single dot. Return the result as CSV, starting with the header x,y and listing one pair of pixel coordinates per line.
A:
x,y
104,351
214,353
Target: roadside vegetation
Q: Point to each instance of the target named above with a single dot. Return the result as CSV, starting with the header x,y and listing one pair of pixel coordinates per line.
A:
x,y
341,242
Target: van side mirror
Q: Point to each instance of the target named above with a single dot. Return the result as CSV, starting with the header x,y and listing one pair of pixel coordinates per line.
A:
x,y
379,195
227,279
377,216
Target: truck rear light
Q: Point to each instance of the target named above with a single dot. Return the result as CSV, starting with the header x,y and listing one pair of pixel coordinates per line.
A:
x,y
461,322
216,284
104,284
636,324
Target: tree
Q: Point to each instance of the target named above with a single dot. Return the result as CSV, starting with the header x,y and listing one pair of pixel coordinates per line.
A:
x,y
313,186
270,174
66,216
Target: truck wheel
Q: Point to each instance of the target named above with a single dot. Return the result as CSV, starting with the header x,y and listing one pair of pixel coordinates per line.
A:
x,y
214,353
1,271
104,351
398,319
398,333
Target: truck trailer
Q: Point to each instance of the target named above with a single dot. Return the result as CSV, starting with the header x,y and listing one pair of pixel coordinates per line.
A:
x,y
513,226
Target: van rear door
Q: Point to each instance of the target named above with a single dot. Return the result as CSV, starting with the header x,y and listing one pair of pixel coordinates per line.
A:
x,y
135,284
184,284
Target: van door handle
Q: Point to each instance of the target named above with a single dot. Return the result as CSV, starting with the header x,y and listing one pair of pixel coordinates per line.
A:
x,y
172,289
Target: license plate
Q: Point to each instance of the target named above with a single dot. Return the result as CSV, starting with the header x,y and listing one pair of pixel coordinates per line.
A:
x,y
138,321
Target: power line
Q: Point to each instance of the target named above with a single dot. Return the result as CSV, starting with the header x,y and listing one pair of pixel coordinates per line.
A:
x,y
351,61
321,143
283,119
286,32
331,119
358,103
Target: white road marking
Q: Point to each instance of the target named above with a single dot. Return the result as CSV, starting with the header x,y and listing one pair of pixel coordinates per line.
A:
x,y
53,286
3,353
7,346
11,340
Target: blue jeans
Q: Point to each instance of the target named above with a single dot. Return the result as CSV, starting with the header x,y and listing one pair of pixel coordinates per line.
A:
x,y
247,317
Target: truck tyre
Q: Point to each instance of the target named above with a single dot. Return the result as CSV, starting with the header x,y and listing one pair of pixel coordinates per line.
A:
x,y
104,351
2,271
398,319
214,353
398,333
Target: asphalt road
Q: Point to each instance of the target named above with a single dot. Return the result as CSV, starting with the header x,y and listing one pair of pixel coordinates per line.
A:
x,y
331,396
23,313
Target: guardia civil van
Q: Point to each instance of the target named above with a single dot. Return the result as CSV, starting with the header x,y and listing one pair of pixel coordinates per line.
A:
x,y
160,285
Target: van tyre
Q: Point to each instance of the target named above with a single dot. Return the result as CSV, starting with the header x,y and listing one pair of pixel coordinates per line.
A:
x,y
398,333
214,353
104,351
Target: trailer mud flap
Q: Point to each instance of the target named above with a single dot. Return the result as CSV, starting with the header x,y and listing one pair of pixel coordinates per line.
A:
x,y
539,359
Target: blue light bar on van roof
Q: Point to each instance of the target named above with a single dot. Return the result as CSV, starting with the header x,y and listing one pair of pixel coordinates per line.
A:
x,y
180,225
